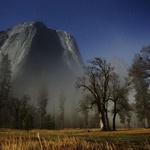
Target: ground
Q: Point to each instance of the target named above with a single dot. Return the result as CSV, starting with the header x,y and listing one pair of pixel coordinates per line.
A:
x,y
75,139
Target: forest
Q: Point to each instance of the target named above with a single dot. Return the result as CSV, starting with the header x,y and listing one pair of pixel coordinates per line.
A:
x,y
105,98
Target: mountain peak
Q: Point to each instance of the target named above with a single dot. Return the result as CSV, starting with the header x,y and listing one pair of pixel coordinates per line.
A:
x,y
27,24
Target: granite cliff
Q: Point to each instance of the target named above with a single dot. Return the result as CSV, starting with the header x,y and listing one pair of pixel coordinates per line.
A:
x,y
36,51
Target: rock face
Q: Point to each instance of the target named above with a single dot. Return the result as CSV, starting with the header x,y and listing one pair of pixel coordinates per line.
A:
x,y
35,50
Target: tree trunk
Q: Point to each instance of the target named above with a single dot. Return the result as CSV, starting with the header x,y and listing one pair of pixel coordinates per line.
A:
x,y
114,117
104,122
114,123
146,122
107,121
40,119
101,125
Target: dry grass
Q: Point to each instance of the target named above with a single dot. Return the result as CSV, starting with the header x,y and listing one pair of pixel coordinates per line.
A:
x,y
75,140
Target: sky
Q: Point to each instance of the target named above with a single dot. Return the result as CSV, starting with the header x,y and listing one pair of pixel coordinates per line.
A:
x,y
101,28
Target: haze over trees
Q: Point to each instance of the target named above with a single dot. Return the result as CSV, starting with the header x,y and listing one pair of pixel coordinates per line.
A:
x,y
84,110
62,101
104,92
101,84
105,96
42,101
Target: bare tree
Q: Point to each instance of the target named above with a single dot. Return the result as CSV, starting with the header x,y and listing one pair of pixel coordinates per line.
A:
x,y
119,96
96,83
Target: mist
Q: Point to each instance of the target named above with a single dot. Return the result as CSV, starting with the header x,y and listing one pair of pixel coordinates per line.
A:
x,y
41,56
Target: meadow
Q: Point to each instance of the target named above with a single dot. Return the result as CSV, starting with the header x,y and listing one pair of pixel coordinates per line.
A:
x,y
75,139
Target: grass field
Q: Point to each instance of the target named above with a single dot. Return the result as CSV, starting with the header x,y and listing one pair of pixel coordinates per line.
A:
x,y
75,139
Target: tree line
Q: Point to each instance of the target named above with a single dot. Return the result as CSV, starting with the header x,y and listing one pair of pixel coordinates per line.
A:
x,y
108,95
18,112
105,97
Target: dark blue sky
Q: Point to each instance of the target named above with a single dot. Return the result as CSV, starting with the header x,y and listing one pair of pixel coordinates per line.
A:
x,y
106,28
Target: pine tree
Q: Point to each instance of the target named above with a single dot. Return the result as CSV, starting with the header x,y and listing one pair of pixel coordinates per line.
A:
x,y
62,100
140,73
48,122
5,79
27,121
